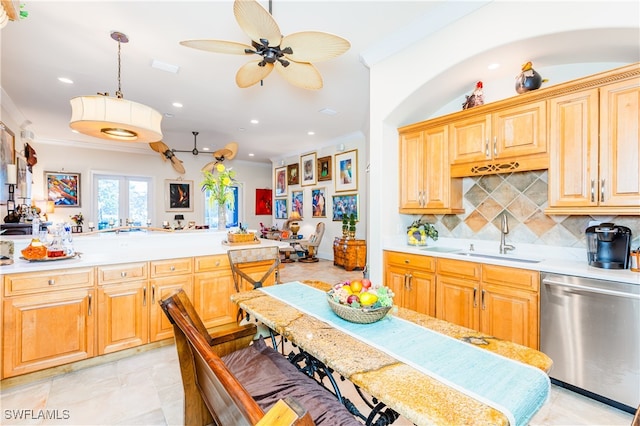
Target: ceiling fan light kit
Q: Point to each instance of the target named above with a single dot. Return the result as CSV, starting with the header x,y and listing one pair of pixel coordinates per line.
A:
x,y
115,118
291,55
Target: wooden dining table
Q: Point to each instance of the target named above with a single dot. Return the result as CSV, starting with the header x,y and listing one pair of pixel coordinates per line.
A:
x,y
419,397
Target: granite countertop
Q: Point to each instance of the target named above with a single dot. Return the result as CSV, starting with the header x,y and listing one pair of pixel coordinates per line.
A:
x,y
560,260
416,396
127,247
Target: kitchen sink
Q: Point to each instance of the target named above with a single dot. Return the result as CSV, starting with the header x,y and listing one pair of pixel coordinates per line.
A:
x,y
441,249
507,257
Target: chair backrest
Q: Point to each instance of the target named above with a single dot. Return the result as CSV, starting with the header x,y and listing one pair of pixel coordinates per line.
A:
x,y
242,259
316,237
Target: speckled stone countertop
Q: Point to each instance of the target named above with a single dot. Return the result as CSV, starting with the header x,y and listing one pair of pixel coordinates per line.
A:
x,y
418,397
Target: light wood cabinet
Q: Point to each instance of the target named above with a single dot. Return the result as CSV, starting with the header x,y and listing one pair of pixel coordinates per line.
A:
x,y
48,320
167,276
497,142
123,313
499,301
412,280
595,151
425,182
212,289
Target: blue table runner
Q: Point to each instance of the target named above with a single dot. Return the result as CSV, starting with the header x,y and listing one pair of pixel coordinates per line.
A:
x,y
517,390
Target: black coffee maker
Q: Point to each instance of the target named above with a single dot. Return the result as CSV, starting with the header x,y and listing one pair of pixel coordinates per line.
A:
x,y
608,246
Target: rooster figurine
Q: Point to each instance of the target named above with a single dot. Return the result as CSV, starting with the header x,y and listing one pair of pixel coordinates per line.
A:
x,y
528,79
476,98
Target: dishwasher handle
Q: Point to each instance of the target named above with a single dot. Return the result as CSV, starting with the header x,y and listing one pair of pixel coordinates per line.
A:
x,y
588,289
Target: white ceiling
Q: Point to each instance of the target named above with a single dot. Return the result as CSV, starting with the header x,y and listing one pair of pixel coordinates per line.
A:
x,y
72,39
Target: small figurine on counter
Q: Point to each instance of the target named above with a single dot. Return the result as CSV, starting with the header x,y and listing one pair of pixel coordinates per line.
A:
x,y
528,79
476,98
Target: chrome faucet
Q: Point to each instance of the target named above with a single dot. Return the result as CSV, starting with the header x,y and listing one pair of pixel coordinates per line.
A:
x,y
504,230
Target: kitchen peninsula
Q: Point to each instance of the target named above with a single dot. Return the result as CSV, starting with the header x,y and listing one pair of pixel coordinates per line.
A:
x,y
105,300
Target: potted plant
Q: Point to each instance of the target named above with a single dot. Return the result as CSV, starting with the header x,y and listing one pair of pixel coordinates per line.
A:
x,y
352,225
78,219
219,184
345,226
419,231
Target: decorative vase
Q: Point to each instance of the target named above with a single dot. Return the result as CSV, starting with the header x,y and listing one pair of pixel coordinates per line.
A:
x,y
345,231
222,217
352,234
416,237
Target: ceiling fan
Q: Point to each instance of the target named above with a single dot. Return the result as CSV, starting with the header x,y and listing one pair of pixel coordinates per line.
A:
x,y
290,55
227,153
167,154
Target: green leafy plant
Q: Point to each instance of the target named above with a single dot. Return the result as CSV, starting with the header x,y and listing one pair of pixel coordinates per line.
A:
x,y
419,231
352,222
78,219
219,184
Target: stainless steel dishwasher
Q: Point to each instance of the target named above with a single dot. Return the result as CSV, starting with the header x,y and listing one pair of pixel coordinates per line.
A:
x,y
591,330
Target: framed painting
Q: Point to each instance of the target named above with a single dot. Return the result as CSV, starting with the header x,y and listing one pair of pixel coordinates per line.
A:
x,y
7,156
297,202
281,181
293,174
263,202
309,169
63,188
178,195
345,206
318,198
324,168
347,171
280,205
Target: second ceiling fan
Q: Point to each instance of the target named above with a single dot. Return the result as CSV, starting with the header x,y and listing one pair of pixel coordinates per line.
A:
x,y
291,55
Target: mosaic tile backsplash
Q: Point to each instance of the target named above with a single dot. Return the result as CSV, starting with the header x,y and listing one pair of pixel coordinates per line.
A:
x,y
523,197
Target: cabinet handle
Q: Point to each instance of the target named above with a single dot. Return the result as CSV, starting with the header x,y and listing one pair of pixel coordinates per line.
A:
x,y
409,281
593,191
172,268
123,274
144,296
89,312
486,148
495,146
602,191
406,261
51,282
483,306
217,263
153,294
475,292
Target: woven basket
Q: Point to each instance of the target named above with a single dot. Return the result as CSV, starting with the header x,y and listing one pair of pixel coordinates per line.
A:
x,y
359,315
240,238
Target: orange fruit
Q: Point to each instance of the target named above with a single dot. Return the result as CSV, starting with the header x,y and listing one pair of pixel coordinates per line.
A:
x,y
356,286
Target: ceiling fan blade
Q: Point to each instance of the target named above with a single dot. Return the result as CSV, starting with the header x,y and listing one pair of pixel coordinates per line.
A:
x,y
158,146
209,167
233,147
256,22
251,73
302,75
177,165
314,46
218,46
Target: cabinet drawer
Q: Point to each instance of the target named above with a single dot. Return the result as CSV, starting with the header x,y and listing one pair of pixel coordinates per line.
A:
x,y
459,268
34,282
121,273
164,268
211,263
425,263
512,277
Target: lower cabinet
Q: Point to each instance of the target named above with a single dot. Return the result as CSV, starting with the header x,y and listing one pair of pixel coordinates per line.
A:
x,y
212,289
412,280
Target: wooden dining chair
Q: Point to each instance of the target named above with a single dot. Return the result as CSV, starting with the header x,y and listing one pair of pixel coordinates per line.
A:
x,y
247,264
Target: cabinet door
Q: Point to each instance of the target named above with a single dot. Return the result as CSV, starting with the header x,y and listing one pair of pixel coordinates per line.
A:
x,y
519,131
620,144
573,146
396,279
411,165
420,294
469,139
47,330
457,301
159,326
437,183
211,297
510,314
123,316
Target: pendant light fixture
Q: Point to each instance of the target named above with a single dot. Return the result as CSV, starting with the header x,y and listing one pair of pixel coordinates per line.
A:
x,y
115,118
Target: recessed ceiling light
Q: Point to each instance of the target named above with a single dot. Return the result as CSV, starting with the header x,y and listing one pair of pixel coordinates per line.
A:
x,y
65,80
168,115
328,111
311,133
159,65
177,104
75,131
206,148
493,66
254,121
241,129
251,154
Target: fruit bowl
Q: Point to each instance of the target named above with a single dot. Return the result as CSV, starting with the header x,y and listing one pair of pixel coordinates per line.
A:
x,y
359,315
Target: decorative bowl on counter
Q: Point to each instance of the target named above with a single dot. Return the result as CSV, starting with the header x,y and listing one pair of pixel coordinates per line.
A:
x,y
359,301
358,315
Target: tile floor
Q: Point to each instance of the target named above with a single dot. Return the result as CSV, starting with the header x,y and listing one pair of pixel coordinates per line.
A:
x,y
145,389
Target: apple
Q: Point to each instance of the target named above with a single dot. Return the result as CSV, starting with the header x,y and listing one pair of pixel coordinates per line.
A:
x,y
366,282
353,298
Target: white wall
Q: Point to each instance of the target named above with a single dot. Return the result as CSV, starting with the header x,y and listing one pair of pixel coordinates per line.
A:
x,y
396,81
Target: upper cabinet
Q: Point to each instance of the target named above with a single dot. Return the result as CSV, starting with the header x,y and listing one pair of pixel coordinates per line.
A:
x,y
595,150
499,141
425,182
